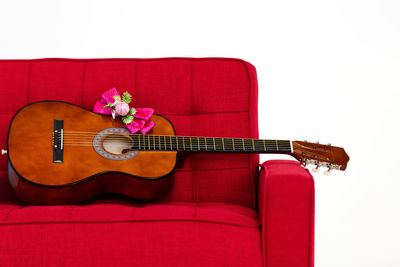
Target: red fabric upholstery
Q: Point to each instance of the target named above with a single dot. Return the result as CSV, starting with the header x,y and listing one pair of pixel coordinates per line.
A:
x,y
122,235
210,217
286,210
203,97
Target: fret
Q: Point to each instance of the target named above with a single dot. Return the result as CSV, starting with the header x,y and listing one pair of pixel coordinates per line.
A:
x,y
198,142
244,148
252,141
194,143
205,142
223,144
259,145
169,143
238,143
284,146
177,143
214,144
271,146
249,146
276,143
219,144
146,138
229,146
233,144
183,141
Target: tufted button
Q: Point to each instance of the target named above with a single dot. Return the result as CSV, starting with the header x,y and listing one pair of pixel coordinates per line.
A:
x,y
3,152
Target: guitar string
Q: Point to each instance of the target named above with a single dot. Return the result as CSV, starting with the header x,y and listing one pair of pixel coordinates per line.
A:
x,y
196,143
79,138
153,142
156,147
174,136
178,136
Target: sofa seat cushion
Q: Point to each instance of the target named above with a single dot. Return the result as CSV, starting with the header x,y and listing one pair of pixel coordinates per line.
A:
x,y
120,233
125,211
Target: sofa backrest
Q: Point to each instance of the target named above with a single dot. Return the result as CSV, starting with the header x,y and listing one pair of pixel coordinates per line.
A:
x,y
200,96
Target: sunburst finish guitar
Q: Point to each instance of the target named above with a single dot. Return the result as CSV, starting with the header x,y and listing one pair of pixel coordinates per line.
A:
x,y
60,153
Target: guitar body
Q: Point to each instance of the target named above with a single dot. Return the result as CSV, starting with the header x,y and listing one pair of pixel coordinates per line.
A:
x,y
41,173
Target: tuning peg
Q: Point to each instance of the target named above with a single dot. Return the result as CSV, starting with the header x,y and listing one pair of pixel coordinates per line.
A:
x,y
305,163
328,172
317,142
316,169
3,152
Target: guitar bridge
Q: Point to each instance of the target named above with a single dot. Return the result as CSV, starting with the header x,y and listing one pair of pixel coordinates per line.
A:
x,y
58,141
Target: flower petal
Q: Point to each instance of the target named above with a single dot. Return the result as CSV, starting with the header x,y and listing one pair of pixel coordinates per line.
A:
x,y
147,127
136,125
108,95
144,113
99,108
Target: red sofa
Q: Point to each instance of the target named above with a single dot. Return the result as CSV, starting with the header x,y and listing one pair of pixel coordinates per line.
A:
x,y
222,211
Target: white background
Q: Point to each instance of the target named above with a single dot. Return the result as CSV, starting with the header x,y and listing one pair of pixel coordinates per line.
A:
x,y
327,70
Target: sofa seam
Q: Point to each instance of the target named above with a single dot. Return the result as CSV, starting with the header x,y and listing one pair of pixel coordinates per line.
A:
x,y
251,172
267,174
131,221
194,196
83,78
182,114
28,85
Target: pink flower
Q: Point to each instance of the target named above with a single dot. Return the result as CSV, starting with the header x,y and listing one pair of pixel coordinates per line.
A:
x,y
111,104
121,108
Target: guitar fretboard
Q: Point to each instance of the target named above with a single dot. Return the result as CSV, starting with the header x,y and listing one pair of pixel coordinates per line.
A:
x,y
209,144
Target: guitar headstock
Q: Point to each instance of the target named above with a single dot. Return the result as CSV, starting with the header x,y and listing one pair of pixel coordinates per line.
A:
x,y
331,157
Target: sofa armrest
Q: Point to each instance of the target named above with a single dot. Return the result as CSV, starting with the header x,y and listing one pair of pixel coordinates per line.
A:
x,y
286,210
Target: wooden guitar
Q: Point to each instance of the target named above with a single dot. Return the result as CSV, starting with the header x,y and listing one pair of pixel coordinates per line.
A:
x,y
60,153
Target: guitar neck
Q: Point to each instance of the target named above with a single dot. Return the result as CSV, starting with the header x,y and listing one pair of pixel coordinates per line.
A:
x,y
209,144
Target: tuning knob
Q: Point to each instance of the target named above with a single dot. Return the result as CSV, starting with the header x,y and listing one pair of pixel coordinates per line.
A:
x,y
328,172
3,152
315,170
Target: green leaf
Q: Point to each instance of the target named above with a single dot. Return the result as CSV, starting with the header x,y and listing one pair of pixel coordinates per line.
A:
x,y
109,105
127,119
117,98
126,97
132,111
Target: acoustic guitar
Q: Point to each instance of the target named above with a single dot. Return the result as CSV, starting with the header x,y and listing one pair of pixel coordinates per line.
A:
x,y
60,153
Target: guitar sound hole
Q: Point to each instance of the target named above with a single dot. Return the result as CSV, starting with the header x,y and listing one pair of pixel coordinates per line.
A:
x,y
117,144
